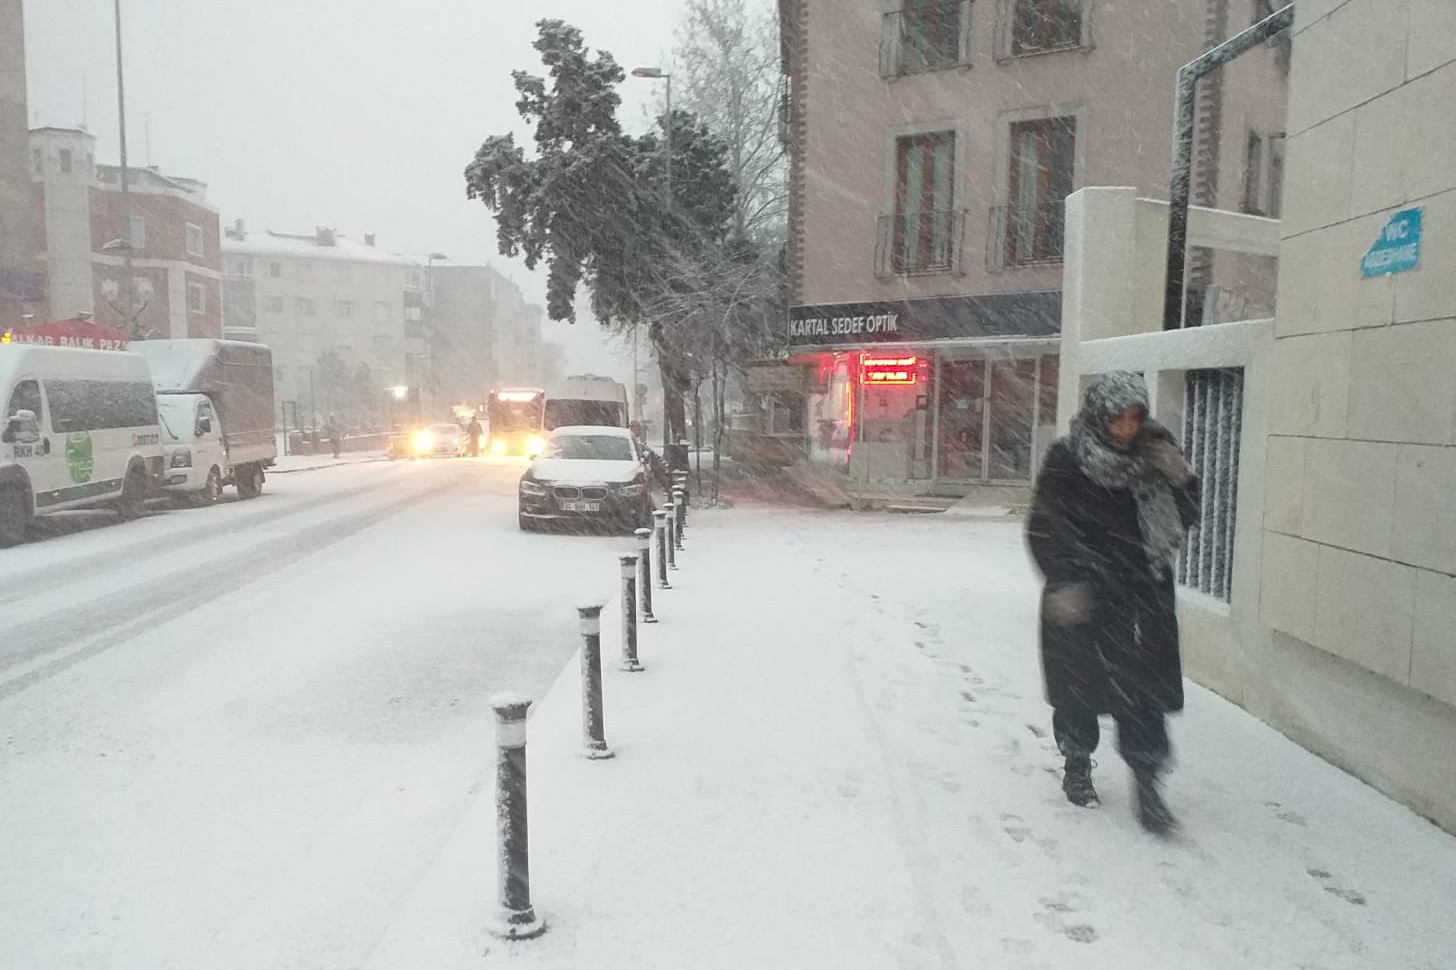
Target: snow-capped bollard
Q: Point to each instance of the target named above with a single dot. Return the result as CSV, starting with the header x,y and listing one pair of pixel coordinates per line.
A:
x,y
680,483
629,614
515,919
593,726
680,508
659,529
671,534
644,572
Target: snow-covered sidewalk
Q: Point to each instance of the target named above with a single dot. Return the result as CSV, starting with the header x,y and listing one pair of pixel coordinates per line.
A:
x,y
838,757
287,464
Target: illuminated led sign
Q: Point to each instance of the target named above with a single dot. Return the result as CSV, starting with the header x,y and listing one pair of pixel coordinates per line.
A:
x,y
883,371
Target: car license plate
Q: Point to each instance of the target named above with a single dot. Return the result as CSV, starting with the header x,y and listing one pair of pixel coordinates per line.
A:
x,y
581,506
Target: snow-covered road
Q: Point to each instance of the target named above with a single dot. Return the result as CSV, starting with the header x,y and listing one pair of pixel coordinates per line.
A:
x,y
233,737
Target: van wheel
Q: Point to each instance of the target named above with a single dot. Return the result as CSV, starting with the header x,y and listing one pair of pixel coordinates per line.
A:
x,y
133,501
250,483
14,515
211,491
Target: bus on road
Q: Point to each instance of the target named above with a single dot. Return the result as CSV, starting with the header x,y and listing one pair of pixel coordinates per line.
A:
x,y
514,421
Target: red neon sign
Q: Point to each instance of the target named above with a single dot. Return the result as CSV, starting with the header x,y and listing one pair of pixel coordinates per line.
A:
x,y
881,371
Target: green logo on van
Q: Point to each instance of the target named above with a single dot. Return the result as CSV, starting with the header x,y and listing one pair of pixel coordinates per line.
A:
x,y
79,456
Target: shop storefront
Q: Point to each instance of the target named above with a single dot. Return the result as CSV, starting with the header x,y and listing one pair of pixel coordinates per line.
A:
x,y
955,391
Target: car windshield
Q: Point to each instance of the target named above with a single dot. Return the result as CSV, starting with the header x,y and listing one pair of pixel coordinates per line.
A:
x,y
598,447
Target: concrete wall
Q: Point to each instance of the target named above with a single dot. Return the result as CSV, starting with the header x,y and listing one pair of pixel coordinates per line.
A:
x,y
1360,523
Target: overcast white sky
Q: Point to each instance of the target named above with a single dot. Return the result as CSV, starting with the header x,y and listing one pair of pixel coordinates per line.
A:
x,y
355,114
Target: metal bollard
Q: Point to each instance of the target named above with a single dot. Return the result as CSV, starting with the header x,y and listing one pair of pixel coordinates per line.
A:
x,y
644,576
659,528
671,510
593,726
680,483
679,505
515,918
629,614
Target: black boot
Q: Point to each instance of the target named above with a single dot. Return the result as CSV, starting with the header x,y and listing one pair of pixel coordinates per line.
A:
x,y
1154,813
1077,783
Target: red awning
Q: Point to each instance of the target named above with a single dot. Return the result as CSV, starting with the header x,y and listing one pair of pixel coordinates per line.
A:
x,y
69,333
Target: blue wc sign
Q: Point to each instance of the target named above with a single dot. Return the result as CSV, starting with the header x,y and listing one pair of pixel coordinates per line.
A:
x,y
1397,248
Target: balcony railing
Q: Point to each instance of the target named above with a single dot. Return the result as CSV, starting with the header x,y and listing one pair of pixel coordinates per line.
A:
x,y
930,35
917,243
1025,235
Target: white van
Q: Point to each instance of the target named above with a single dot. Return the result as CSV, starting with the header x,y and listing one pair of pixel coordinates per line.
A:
x,y
80,431
585,400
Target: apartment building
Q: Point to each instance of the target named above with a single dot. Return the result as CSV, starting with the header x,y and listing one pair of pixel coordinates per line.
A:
x,y
326,300
168,227
933,143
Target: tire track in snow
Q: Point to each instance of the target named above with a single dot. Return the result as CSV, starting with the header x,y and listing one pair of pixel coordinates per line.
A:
x,y
124,616
46,578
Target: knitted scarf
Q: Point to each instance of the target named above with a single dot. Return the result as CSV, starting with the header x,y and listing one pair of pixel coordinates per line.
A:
x,y
1111,466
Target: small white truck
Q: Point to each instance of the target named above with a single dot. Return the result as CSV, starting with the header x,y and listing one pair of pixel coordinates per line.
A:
x,y
215,401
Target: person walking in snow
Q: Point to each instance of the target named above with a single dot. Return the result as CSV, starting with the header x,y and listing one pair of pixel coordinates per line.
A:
x,y
473,431
1112,504
334,433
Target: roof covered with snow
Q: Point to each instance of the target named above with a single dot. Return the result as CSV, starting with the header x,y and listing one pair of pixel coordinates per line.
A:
x,y
309,246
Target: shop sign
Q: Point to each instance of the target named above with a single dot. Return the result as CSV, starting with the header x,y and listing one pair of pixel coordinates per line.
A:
x,y
940,318
889,371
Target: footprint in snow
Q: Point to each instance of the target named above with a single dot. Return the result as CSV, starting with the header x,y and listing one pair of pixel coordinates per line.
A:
x,y
1328,883
1055,914
1286,815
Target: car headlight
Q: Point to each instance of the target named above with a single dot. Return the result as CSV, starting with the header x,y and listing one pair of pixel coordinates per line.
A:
x,y
529,487
182,459
424,441
498,446
535,445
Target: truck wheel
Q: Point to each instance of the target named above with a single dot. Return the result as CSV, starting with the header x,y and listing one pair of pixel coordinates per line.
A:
x,y
133,501
211,491
14,515
250,482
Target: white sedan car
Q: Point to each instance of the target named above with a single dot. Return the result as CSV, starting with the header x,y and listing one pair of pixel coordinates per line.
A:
x,y
587,475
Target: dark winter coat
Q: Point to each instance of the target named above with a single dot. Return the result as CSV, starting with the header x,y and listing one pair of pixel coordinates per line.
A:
x,y
1125,657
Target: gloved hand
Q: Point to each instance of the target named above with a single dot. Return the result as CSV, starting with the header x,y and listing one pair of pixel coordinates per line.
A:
x,y
1164,455
1069,604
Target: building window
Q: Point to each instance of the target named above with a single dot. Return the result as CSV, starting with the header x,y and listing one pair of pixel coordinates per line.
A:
x,y
272,304
383,311
196,298
1263,174
344,309
927,35
923,234
303,307
414,279
1213,412
1042,166
1039,26
195,240
137,235
275,269
66,162
305,272
241,266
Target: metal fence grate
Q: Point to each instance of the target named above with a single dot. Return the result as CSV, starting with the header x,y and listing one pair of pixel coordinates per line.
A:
x,y
1212,426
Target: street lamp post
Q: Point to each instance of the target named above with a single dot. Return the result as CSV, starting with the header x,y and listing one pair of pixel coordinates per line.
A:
x,y
658,74
125,176
430,261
